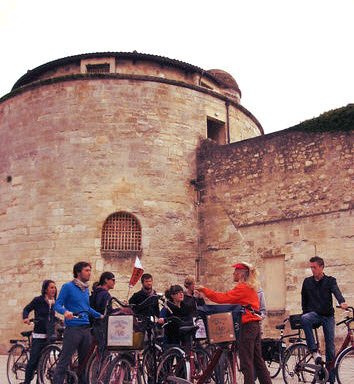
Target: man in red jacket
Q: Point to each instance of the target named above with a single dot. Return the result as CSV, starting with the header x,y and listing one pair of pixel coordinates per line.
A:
x,y
245,293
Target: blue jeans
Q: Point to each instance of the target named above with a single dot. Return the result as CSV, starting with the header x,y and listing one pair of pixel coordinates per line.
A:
x,y
311,318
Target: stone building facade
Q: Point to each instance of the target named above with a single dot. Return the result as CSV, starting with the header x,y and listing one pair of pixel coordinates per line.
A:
x,y
277,200
106,141
108,156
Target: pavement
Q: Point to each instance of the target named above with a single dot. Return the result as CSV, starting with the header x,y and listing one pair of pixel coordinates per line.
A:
x,y
3,376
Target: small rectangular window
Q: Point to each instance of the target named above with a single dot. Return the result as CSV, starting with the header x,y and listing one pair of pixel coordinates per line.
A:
x,y
97,68
216,130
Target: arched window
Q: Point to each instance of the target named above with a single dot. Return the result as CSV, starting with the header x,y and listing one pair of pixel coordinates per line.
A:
x,y
121,235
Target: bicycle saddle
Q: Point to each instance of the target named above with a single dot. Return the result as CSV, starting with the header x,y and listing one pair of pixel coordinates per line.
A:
x,y
280,326
184,330
26,333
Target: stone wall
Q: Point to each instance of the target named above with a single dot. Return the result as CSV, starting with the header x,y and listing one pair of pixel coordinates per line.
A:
x,y
76,151
276,201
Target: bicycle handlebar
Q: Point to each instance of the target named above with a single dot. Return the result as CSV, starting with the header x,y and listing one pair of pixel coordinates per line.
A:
x,y
348,318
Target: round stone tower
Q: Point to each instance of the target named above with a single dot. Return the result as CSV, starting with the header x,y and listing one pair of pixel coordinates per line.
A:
x,y
98,155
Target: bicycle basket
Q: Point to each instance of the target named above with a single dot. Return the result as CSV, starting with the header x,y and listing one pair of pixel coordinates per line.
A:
x,y
295,321
122,331
222,322
271,349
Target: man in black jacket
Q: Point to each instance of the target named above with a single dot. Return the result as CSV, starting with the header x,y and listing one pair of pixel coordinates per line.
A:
x,y
144,305
317,307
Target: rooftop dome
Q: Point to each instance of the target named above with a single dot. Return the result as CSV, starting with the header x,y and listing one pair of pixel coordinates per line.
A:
x,y
225,80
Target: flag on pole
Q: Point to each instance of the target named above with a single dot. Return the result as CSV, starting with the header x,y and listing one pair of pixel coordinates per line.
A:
x,y
138,271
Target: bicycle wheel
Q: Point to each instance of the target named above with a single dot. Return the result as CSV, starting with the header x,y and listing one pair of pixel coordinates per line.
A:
x,y
345,366
120,371
201,361
92,368
295,356
273,367
173,363
148,363
239,375
16,364
47,363
224,370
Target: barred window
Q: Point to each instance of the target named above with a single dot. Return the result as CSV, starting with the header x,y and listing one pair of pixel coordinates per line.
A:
x,y
98,68
121,235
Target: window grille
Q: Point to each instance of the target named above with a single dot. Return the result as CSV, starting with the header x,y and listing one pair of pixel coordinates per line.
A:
x,y
121,235
98,68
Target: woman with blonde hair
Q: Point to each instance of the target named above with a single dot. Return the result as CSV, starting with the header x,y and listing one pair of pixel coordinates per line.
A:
x,y
245,293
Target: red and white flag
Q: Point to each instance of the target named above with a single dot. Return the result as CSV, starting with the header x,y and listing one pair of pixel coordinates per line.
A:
x,y
137,273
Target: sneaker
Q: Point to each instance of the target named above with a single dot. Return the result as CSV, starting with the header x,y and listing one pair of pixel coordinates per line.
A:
x,y
317,357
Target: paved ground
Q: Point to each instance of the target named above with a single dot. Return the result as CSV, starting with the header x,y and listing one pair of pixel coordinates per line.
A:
x,y
3,377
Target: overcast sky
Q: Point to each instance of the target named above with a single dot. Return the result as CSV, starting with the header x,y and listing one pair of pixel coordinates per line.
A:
x,y
292,60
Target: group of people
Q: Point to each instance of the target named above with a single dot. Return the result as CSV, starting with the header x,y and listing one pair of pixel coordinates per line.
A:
x,y
78,307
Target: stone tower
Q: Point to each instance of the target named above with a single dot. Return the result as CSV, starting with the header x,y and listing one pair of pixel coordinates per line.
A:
x,y
98,158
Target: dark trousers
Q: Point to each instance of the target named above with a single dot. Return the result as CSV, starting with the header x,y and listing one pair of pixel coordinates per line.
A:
x,y
36,349
75,339
251,354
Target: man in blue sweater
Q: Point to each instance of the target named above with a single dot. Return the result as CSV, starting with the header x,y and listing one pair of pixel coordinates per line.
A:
x,y
73,303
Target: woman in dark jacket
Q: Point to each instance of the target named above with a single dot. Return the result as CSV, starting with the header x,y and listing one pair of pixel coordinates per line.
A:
x,y
44,317
174,307
100,295
99,299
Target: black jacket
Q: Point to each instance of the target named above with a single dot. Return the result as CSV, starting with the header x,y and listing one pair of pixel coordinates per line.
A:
x,y
149,308
316,296
191,303
172,335
44,315
99,299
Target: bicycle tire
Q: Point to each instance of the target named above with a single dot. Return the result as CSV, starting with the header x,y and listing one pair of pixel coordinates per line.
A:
x,y
273,367
239,375
293,356
173,363
201,361
16,364
91,371
273,361
120,371
344,366
47,363
149,354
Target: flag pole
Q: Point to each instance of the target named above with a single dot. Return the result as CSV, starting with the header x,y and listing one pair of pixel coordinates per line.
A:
x,y
128,292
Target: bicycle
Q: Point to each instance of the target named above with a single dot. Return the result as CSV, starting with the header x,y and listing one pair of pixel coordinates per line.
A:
x,y
188,360
301,367
49,359
273,349
137,362
224,353
298,363
344,361
18,357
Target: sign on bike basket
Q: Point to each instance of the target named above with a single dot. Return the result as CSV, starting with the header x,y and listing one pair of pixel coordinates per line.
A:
x,y
221,328
201,332
122,332
222,322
